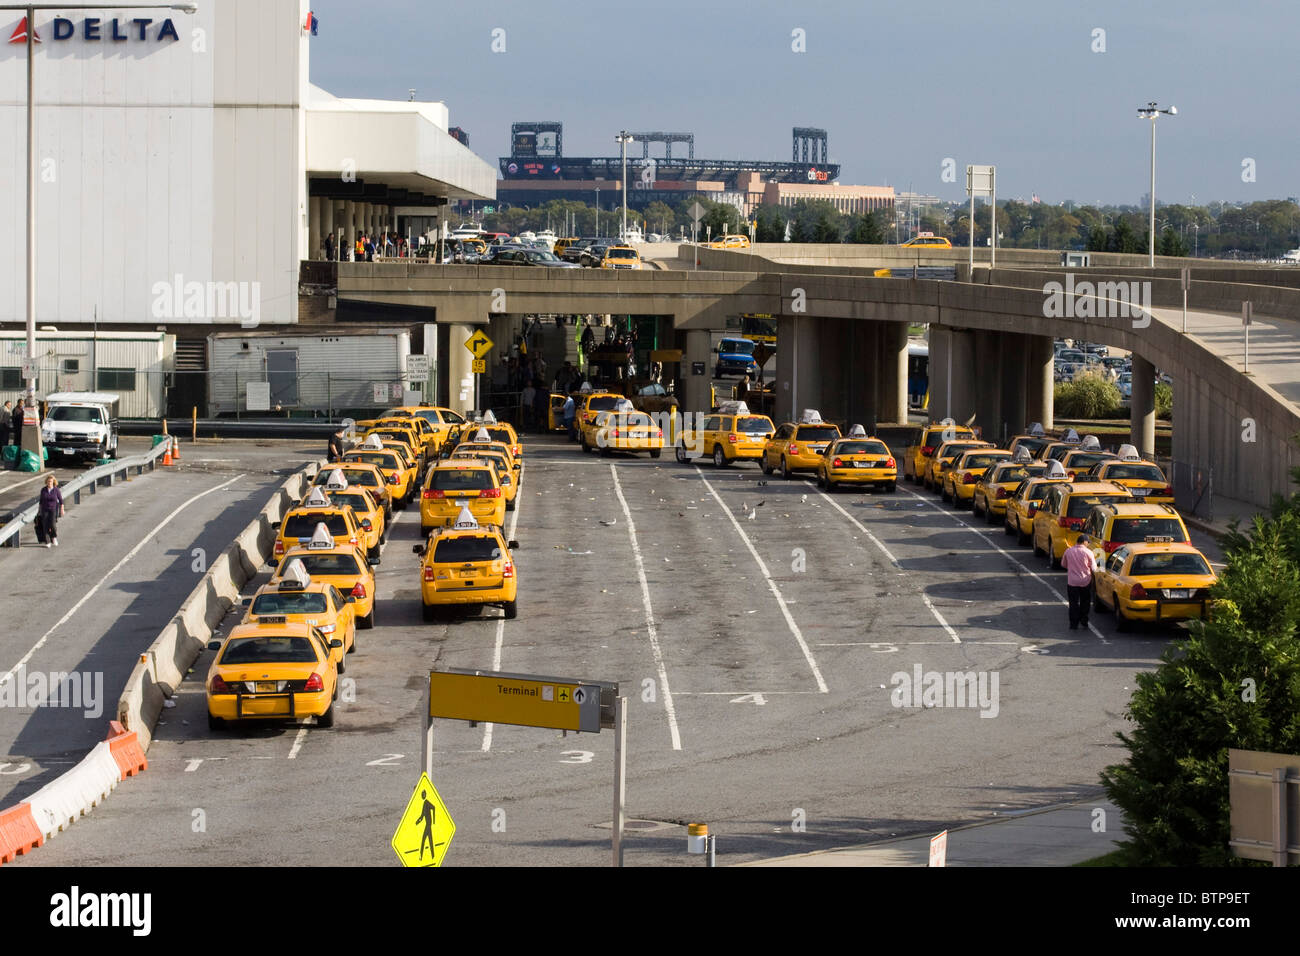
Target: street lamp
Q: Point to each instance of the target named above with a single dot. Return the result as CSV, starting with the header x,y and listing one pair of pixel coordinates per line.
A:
x,y
29,11
1151,111
623,138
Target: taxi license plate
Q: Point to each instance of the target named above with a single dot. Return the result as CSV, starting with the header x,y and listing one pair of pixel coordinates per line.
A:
x,y
266,686
1141,492
862,464
1179,593
468,574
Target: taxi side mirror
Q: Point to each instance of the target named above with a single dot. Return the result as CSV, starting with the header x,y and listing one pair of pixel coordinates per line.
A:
x,y
336,643
246,602
417,549
505,479
351,599
365,523
512,545
275,524
214,645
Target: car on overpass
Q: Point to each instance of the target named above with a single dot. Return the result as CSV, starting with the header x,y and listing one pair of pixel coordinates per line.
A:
x,y
928,240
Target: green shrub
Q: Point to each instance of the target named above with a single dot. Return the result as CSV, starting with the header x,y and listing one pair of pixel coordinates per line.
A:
x,y
1164,401
1088,396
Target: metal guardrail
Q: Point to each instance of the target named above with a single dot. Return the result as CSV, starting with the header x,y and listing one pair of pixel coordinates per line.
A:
x,y
91,481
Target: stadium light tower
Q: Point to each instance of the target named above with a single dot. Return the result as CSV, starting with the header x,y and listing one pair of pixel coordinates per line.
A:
x,y
1151,111
623,138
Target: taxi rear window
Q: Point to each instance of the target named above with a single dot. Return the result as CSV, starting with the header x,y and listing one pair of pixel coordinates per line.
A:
x,y
934,436
1085,460
466,548
1128,530
289,602
753,425
358,502
327,564
1039,491
629,421
1138,472
364,478
460,479
1169,564
270,650
604,403
982,461
1033,444
862,448
952,451
379,459
302,525
817,433
500,434
1081,505
1015,472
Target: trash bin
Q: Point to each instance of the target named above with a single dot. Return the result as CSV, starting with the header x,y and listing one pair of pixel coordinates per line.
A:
x,y
159,439
29,462
9,453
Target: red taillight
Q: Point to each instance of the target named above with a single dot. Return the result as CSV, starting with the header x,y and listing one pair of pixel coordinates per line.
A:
x,y
1065,522
659,433
490,493
220,687
1002,493
1139,593
614,433
314,683
1033,510
837,463
1109,546
927,450
352,540
1168,492
393,479
733,438
279,546
434,493
969,478
508,570
428,574
358,590
891,463
794,449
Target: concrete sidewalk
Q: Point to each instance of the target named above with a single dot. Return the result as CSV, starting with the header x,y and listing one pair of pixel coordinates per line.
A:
x,y
1226,510
1053,836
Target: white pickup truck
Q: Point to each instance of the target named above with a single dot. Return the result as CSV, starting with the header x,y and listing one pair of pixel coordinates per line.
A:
x,y
81,424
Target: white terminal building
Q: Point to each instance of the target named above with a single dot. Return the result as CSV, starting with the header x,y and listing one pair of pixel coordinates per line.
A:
x,y
187,168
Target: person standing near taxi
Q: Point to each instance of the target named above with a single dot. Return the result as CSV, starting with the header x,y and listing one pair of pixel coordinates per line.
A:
x,y
50,510
570,409
1079,563
6,421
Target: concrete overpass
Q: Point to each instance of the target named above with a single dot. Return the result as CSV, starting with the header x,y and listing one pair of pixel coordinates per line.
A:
x,y
843,338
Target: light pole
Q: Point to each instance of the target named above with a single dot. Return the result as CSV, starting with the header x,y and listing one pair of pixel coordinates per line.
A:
x,y
597,212
29,11
1151,111
623,138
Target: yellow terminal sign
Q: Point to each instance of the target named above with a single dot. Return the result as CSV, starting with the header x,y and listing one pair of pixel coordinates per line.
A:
x,y
426,828
479,344
509,699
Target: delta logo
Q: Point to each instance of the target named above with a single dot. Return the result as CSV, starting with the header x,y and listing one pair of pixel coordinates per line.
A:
x,y
96,28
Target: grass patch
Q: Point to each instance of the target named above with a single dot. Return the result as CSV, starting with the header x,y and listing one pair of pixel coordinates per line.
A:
x,y
1113,858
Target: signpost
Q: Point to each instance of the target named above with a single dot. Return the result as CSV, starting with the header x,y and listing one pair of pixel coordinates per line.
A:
x,y
1247,313
982,180
1187,281
479,345
425,822
696,212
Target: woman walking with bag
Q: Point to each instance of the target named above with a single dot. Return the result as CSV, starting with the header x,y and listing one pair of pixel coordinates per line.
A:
x,y
51,509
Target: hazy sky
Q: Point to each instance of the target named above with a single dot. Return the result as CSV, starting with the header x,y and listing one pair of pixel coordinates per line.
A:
x,y
898,87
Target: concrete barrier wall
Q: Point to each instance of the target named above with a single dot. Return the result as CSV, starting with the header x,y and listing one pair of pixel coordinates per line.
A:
x,y
164,665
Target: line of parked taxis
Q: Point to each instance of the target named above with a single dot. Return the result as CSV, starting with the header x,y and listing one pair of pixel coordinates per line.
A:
x,y
283,660
1046,492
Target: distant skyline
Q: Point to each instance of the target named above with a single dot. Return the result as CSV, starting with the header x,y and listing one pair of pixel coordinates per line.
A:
x,y
1016,84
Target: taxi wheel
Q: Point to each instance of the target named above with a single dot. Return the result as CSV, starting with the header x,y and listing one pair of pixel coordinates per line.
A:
x,y
989,515
428,612
216,723
975,512
510,505
606,452
326,719
372,554
943,493
1122,623
719,459
654,452
766,468
511,609
1006,526
1038,552
367,622
681,454
786,473
892,487
1098,604
1053,561
1021,536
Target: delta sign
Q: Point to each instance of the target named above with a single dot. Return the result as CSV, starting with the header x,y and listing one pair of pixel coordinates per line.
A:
x,y
96,28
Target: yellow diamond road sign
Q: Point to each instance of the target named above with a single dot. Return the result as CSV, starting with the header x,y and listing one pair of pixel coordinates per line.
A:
x,y
479,344
426,828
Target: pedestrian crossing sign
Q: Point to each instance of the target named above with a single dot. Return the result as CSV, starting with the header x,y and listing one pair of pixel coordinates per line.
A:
x,y
426,828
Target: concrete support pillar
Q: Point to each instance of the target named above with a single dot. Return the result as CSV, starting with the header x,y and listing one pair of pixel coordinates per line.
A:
x,y
1014,382
314,248
860,358
986,392
1142,406
460,378
952,374
327,222
692,389
799,358
892,373
1040,385
348,228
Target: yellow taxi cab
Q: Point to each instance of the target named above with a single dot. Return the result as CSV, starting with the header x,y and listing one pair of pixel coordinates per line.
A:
x,y
1080,461
392,464
272,671
999,482
563,243
344,566
588,424
928,240
1111,526
416,432
464,483
621,257
1054,450
368,512
1035,440
736,241
967,470
411,453
858,459
1024,501
1154,581
941,461
586,406
916,459
441,420
798,446
628,431
497,454
484,438
297,598
1065,509
1142,478
734,434
361,475
467,563
505,433
300,523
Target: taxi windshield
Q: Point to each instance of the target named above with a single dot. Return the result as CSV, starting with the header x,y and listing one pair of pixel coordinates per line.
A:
x,y
1138,472
75,413
466,548
1169,564
460,479
270,650
817,433
303,525
861,448
289,602
621,254
1128,530
1081,505
753,426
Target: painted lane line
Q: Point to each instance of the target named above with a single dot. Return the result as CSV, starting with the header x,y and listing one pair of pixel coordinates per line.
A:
x,y
111,571
298,742
776,591
19,484
501,622
925,598
961,522
655,649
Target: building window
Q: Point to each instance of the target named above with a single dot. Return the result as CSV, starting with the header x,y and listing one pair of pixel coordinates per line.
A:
x,y
71,366
116,379
11,379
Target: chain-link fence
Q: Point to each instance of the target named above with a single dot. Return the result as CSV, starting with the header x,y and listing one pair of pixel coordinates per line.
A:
x,y
1193,486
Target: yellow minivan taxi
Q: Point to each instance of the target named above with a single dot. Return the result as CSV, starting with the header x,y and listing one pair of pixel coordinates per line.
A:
x,y
798,446
467,563
464,483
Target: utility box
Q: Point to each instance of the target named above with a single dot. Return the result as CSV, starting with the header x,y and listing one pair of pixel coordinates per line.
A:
x,y
1076,260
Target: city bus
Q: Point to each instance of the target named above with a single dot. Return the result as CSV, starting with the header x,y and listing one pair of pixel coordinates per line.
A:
x,y
758,327
918,375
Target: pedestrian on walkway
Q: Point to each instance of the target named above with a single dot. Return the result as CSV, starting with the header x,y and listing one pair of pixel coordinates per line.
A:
x,y
329,248
1079,563
334,451
526,399
16,423
49,511
570,409
6,422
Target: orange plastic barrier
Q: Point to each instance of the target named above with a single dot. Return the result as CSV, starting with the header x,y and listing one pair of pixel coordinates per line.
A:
x,y
126,750
18,832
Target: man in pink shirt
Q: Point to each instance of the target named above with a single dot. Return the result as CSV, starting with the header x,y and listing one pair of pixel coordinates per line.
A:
x,y
1078,562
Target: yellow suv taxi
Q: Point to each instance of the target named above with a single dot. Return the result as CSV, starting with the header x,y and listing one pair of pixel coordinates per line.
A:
x,y
1154,581
271,671
1023,502
1111,526
368,512
940,462
858,459
464,483
999,483
627,431
344,566
798,446
467,563
1142,478
397,470
732,435
298,526
967,470
621,257
916,459
1065,509
297,598
361,475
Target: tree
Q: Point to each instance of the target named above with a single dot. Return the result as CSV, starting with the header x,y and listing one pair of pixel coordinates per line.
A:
x,y
1171,244
770,224
660,217
866,229
816,220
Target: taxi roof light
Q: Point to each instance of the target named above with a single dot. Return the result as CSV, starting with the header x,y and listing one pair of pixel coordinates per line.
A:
x,y
733,407
489,417
320,537
1091,443
1071,436
1129,453
465,521
336,481
1036,429
1022,454
316,498
482,435
857,431
373,443
295,576
1054,470
810,416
